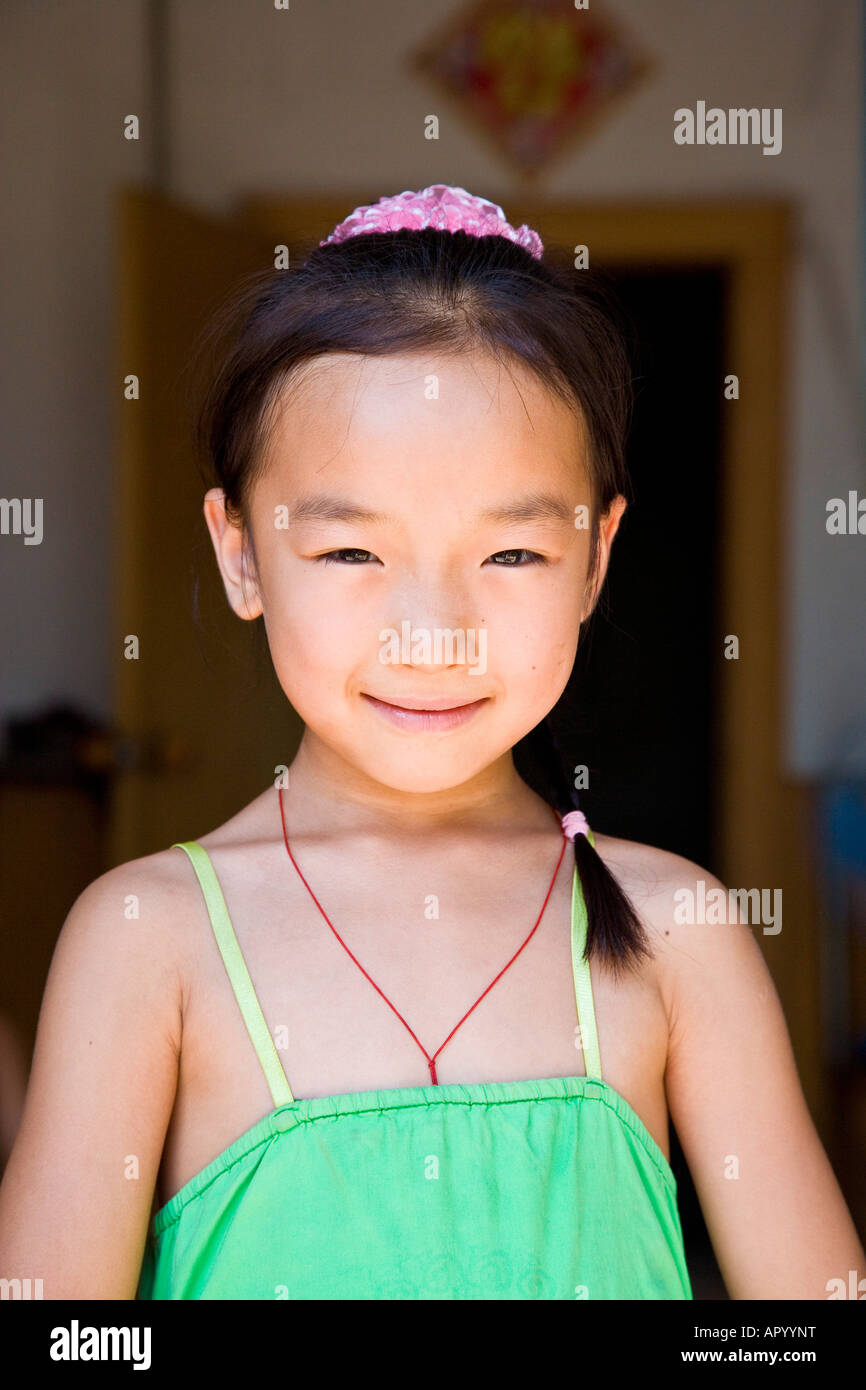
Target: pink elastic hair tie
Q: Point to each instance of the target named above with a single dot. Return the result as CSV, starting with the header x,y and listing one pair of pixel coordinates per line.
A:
x,y
443,206
574,823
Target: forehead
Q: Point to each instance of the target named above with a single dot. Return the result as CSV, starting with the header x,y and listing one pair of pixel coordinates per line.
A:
x,y
351,408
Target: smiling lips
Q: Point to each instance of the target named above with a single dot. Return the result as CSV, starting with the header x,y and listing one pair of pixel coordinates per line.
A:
x,y
425,714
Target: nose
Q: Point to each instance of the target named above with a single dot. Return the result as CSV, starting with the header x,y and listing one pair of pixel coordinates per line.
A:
x,y
431,625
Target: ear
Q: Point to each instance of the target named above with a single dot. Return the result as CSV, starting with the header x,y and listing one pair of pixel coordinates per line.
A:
x,y
233,557
608,526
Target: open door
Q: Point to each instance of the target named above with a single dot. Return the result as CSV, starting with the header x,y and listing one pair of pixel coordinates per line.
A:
x,y
201,722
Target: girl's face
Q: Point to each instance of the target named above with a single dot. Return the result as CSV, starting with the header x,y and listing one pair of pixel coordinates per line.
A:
x,y
415,544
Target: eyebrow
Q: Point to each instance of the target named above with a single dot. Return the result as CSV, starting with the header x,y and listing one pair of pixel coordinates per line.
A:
x,y
536,506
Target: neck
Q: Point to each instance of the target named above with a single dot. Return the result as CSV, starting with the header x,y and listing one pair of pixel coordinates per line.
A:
x,y
495,800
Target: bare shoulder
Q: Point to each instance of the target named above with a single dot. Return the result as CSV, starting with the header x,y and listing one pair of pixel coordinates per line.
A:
x,y
695,925
151,894
644,869
657,881
131,929
160,895
653,880
708,966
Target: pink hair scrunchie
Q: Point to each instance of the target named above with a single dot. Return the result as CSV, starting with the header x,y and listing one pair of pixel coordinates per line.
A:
x,y
574,823
443,206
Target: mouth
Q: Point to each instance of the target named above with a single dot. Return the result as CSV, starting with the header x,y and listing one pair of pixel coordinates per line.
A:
x,y
425,713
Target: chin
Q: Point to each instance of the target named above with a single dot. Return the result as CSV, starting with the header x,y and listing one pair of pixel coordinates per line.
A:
x,y
436,772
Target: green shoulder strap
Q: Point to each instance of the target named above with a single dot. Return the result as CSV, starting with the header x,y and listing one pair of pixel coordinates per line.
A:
x,y
236,969
582,980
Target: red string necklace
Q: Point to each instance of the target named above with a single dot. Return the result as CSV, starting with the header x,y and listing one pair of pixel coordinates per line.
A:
x,y
431,1061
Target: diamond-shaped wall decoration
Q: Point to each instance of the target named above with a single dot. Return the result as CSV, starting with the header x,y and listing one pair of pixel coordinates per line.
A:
x,y
534,75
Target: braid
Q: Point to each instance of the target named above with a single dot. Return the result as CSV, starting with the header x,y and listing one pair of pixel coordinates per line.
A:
x,y
614,932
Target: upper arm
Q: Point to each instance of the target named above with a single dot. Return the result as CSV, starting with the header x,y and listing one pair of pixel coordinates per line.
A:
x,y
76,1196
773,1208
13,1083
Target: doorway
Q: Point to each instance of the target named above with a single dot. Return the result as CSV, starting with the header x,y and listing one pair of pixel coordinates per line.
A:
x,y
646,681
647,693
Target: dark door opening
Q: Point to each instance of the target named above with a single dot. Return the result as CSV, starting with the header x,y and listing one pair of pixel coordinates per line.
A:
x,y
647,671
646,666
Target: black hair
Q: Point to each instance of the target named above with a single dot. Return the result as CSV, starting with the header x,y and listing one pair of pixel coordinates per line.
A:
x,y
384,293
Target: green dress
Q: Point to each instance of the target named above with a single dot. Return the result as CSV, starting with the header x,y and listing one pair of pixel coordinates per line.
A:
x,y
549,1189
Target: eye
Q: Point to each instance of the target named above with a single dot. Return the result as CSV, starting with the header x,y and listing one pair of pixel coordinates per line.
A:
x,y
511,558
533,558
331,557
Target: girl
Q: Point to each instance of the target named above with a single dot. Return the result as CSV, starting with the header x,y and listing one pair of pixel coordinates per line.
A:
x,y
404,1027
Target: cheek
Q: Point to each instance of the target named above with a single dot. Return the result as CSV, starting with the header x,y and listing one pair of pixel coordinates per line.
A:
x,y
313,639
537,642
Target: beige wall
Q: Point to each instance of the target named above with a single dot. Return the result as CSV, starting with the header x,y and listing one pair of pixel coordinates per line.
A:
x,y
321,97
